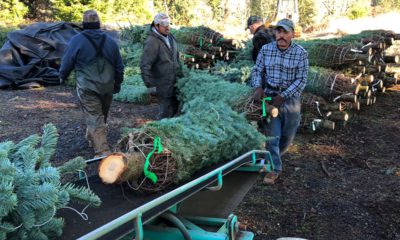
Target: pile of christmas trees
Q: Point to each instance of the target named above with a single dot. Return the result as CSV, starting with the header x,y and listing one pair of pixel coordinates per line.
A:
x,y
348,73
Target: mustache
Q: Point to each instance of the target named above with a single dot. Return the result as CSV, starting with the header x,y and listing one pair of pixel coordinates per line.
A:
x,y
281,39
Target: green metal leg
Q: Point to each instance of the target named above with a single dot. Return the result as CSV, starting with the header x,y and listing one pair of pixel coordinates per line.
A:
x,y
225,229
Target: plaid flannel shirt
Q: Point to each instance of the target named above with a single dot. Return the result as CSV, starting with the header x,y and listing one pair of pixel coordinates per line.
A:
x,y
286,69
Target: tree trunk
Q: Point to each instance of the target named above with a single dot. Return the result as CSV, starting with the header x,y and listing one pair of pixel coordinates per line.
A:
x,y
119,167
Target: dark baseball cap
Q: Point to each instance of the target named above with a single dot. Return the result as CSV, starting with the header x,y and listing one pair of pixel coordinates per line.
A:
x,y
286,24
253,19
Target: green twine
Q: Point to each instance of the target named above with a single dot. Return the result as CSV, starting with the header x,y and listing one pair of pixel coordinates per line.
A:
x,y
187,56
264,110
157,146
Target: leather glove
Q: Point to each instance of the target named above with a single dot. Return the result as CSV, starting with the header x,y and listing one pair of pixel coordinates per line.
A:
x,y
277,101
117,88
258,94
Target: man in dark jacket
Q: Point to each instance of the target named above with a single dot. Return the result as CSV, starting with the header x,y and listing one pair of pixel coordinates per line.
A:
x,y
262,35
99,73
160,65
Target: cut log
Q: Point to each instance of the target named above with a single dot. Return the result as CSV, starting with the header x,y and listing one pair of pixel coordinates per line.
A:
x,y
273,111
382,90
254,110
373,69
396,36
365,101
321,124
389,81
363,89
388,41
373,100
349,106
391,59
391,67
365,79
338,116
365,58
118,167
204,65
336,106
359,69
327,124
348,98
378,84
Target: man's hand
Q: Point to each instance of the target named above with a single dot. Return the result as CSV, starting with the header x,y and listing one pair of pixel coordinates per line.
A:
x,y
277,101
62,81
258,94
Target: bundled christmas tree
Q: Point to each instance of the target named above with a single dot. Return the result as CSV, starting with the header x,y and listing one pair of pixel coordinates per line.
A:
x,y
213,88
170,151
31,191
330,84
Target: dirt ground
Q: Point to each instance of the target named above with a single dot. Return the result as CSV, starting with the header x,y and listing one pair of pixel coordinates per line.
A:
x,y
338,185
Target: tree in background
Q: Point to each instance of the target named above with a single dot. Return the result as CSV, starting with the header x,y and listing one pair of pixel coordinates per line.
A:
x,y
263,8
186,13
39,10
382,6
217,9
307,12
359,9
109,10
69,10
12,11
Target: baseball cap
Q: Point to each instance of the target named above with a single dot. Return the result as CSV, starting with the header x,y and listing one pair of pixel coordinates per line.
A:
x,y
162,19
251,20
286,24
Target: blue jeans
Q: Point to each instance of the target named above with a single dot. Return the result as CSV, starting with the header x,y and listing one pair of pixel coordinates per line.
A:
x,y
282,129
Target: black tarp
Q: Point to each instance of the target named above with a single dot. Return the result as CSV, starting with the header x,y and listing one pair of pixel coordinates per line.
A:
x,y
32,55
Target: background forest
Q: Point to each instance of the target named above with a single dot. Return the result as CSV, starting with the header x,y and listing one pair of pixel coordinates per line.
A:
x,y
186,13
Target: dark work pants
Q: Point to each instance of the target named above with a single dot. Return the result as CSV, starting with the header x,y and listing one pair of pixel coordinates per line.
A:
x,y
95,109
168,107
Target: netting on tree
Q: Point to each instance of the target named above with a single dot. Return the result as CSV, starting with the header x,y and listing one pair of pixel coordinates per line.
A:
x,y
205,134
329,84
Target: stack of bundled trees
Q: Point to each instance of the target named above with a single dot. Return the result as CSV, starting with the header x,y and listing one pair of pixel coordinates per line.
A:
x,y
351,72
202,46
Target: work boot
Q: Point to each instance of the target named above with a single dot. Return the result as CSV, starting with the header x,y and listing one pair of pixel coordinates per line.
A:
x,y
270,178
99,140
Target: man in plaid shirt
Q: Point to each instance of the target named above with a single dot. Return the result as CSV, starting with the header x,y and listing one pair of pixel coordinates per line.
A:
x,y
285,65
